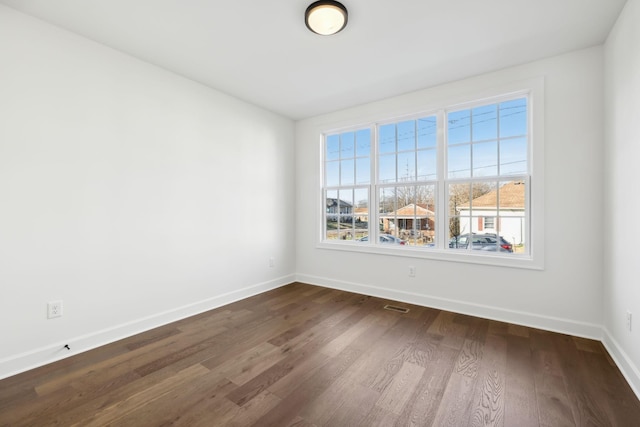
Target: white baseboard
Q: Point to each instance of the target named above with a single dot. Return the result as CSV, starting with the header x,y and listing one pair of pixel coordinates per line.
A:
x,y
628,368
45,355
548,323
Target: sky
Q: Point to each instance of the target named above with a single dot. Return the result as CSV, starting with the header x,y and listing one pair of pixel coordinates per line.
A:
x,y
488,140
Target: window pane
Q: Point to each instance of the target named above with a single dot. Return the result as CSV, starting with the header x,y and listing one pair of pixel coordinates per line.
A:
x,y
332,173
426,198
332,196
387,139
421,231
345,200
363,171
459,161
407,135
387,168
513,156
407,214
345,228
459,196
484,199
332,147
363,142
512,195
514,232
465,233
346,222
387,209
459,205
345,217
427,132
405,196
361,213
407,166
459,127
331,225
387,200
347,145
457,227
511,223
513,118
427,163
347,172
485,159
485,123
404,211
331,228
361,196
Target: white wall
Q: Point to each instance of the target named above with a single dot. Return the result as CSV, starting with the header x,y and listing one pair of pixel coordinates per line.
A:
x,y
622,269
132,194
567,294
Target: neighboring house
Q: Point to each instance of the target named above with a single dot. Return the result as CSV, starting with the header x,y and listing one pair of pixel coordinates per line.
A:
x,y
361,214
507,219
338,206
410,217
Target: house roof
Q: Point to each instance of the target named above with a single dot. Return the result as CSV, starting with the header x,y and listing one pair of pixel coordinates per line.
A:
x,y
334,202
410,211
512,196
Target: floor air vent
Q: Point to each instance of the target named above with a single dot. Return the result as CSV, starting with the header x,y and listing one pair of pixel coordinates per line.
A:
x,y
396,308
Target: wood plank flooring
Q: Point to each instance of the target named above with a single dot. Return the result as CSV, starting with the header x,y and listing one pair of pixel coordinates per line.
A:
x,y
303,355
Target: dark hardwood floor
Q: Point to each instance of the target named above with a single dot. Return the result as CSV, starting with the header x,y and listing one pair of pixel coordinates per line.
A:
x,y
308,356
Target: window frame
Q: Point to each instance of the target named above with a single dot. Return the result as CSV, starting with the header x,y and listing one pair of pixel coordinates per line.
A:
x,y
533,90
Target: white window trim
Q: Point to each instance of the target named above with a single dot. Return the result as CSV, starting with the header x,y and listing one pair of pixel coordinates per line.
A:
x,y
534,89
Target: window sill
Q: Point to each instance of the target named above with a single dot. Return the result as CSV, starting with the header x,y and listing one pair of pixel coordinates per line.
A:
x,y
500,260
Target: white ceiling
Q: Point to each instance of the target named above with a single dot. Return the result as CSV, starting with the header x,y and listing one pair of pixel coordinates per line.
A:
x,y
261,51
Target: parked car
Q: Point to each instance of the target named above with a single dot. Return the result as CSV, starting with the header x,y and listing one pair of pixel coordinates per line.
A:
x,y
494,248
477,241
504,244
480,241
385,239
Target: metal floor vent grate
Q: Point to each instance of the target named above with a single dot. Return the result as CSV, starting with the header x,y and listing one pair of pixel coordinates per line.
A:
x,y
396,308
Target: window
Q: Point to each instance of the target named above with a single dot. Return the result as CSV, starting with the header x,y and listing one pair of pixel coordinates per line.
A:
x,y
347,178
406,179
487,172
488,222
454,181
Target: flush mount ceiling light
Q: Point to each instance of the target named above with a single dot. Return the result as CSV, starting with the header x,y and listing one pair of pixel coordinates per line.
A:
x,y
326,17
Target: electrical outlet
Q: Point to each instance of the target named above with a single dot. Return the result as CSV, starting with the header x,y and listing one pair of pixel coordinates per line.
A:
x,y
412,271
628,320
54,309
272,262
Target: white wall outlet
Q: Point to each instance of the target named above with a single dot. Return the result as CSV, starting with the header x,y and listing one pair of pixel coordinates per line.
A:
x,y
54,309
628,320
412,271
272,262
